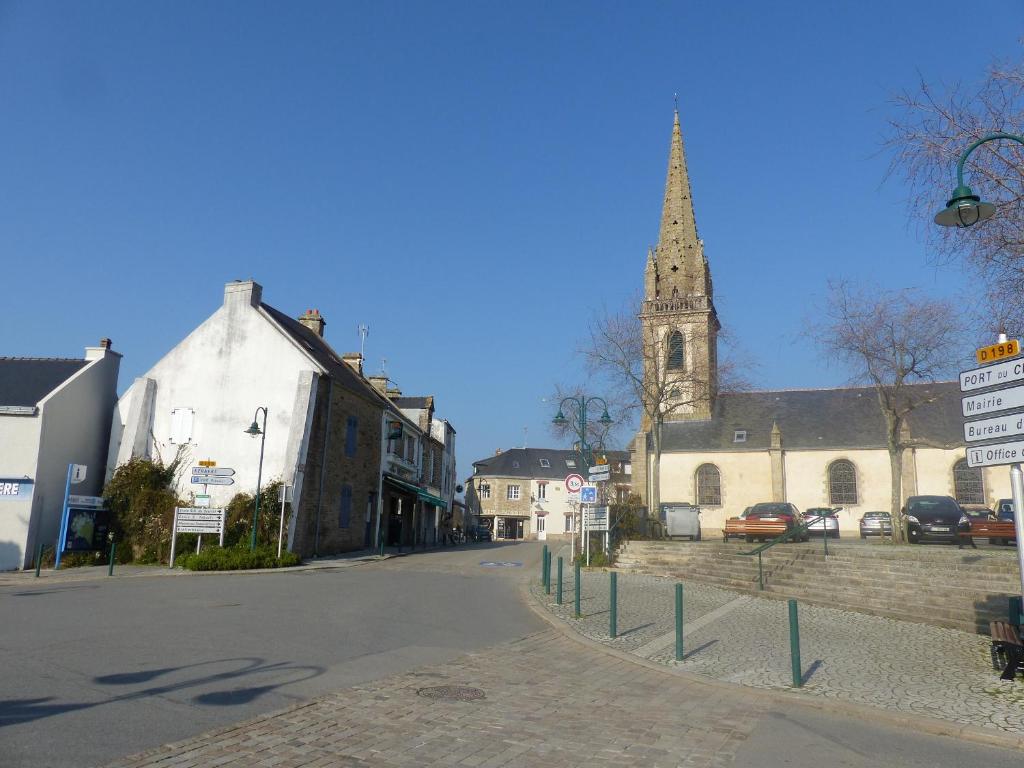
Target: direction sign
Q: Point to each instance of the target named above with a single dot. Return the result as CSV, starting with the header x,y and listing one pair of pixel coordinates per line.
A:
x,y
573,483
992,375
588,494
211,480
95,502
596,518
600,472
998,426
998,351
990,402
994,455
219,472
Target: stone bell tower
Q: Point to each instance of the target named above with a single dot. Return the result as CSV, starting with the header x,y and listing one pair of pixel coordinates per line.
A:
x,y
678,317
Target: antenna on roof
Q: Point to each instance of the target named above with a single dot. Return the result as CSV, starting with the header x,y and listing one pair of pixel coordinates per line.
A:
x,y
383,367
364,331
525,430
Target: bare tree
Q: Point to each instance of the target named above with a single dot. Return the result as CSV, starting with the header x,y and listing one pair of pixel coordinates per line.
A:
x,y
626,350
932,129
891,340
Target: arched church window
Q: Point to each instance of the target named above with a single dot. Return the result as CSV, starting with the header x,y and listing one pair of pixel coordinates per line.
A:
x,y
709,486
842,483
675,351
968,484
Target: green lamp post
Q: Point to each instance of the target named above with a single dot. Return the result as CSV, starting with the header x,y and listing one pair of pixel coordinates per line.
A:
x,y
965,209
254,431
581,404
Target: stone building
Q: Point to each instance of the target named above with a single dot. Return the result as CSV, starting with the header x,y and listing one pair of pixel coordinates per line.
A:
x,y
53,412
521,494
816,447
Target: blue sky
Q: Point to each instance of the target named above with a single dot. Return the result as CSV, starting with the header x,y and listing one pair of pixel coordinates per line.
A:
x,y
471,180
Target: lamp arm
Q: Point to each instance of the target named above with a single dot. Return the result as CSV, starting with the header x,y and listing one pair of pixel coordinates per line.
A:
x,y
978,143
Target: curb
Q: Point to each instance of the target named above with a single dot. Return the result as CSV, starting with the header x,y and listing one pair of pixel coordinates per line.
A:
x,y
920,723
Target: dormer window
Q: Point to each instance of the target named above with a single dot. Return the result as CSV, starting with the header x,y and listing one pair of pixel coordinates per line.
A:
x,y
545,463
570,463
515,465
739,436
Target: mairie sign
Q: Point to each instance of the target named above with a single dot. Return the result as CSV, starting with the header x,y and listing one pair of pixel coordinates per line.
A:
x,y
991,402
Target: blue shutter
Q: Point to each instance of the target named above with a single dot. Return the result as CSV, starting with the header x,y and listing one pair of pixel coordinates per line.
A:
x,y
351,429
345,513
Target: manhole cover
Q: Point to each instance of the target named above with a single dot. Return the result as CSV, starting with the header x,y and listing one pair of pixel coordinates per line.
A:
x,y
451,693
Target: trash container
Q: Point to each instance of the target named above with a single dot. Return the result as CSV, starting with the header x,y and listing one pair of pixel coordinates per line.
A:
x,y
681,520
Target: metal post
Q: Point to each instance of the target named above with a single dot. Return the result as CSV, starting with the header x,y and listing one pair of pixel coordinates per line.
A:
x,y
760,573
1014,615
794,646
558,589
543,562
280,530
824,525
576,587
39,558
547,574
1017,487
679,622
110,565
62,536
613,616
259,477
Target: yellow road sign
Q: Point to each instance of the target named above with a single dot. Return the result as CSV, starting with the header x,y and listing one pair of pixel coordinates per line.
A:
x,y
207,463
998,351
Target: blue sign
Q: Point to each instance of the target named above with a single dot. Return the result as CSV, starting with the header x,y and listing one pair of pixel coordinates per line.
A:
x,y
588,494
16,489
497,564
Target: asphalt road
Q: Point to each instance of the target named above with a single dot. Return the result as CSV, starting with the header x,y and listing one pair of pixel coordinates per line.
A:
x,y
93,670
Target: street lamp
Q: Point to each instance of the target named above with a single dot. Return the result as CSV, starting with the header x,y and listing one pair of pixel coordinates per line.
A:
x,y
964,210
254,431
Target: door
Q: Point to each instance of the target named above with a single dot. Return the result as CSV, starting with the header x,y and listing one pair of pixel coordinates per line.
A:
x,y
542,534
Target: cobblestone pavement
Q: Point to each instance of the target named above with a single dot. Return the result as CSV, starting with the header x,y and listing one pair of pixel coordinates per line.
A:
x,y
879,662
547,702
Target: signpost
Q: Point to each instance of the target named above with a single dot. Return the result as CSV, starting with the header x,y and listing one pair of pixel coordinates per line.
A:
x,y
599,473
76,474
212,480
1007,425
196,520
573,483
588,494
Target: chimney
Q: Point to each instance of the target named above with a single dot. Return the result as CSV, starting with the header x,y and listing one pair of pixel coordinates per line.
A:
x,y
104,349
393,392
380,383
105,343
243,293
497,451
314,321
353,360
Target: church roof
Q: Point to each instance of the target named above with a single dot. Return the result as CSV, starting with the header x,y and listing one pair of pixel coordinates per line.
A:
x,y
526,462
812,419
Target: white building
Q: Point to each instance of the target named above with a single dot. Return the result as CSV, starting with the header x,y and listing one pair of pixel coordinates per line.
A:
x,y
53,412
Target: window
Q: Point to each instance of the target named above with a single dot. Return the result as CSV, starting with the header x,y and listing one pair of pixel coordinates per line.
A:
x,y
345,512
181,425
570,463
542,491
545,463
515,465
842,483
512,493
675,351
709,486
968,485
485,491
351,429
568,523
739,436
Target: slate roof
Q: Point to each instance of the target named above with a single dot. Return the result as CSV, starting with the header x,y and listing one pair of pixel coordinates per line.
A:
x,y
325,355
24,381
816,418
413,402
528,460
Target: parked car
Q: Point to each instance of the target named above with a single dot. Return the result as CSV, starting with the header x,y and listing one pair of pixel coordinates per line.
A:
x,y
932,518
734,528
1003,512
773,518
823,521
875,524
478,533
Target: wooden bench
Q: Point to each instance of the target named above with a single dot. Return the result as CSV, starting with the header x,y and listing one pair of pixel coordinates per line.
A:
x,y
987,529
1007,649
734,526
764,528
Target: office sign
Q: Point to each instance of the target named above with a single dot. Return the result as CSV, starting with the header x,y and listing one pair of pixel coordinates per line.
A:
x,y
96,502
991,402
16,489
995,455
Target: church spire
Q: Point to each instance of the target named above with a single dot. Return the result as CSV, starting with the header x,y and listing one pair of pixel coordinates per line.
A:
x,y
681,262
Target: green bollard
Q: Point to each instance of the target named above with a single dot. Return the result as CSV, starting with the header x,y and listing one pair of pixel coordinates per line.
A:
x,y
794,646
679,622
613,616
1016,610
576,587
110,566
547,575
39,559
543,562
558,589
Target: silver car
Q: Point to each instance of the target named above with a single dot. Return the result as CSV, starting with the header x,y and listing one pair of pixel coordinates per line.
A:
x,y
823,521
875,524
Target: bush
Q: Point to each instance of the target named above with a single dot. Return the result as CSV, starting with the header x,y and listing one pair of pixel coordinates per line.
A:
x,y
236,559
598,559
141,502
239,513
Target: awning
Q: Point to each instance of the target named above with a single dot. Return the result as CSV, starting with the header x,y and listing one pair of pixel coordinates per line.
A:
x,y
429,497
402,485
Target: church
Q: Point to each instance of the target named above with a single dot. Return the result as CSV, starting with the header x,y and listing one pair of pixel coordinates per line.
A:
x,y
727,450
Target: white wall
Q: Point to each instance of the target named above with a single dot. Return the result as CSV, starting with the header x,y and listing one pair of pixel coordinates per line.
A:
x,y
19,454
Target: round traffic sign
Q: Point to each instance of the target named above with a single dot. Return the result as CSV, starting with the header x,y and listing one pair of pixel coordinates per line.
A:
x,y
573,483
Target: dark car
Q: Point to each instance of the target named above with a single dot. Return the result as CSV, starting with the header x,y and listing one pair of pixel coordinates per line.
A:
x,y
933,518
1004,513
875,524
478,533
